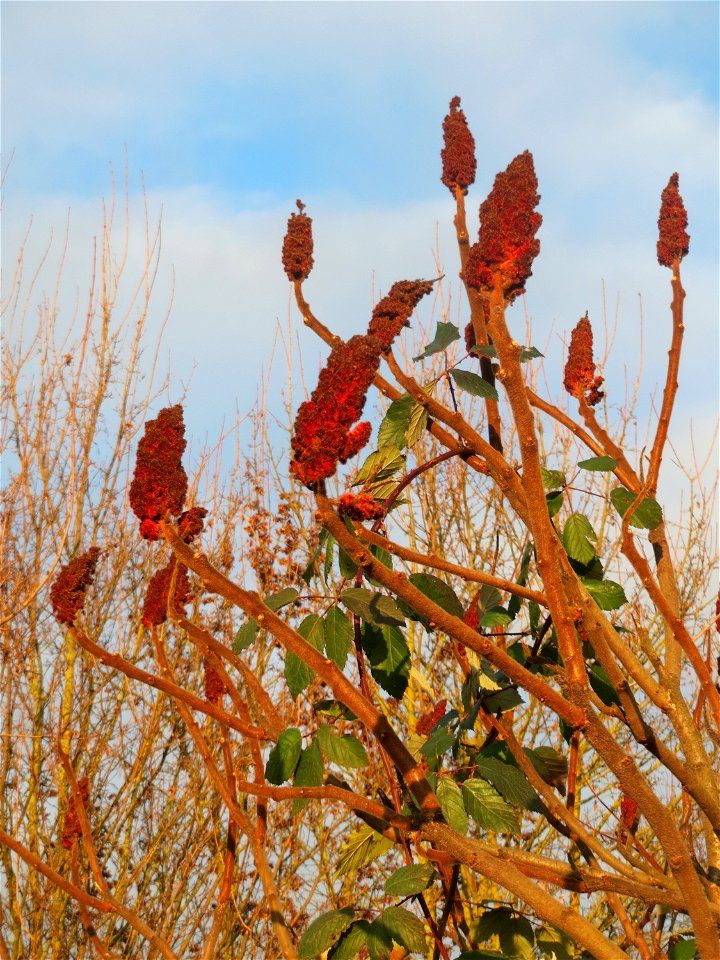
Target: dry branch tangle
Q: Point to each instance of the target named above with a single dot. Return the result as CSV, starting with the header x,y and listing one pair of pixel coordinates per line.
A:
x,y
613,678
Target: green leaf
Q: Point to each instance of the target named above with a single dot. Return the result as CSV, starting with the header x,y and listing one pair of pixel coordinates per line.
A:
x,y
601,464
607,594
438,591
445,334
647,516
348,567
308,773
284,757
246,635
389,655
473,384
395,423
516,934
338,636
600,682
298,675
278,600
487,807
482,955
347,751
553,479
335,709
410,880
416,425
497,617
438,743
324,932
683,950
554,945
576,538
376,608
309,571
382,464
550,764
351,942
451,803
361,847
379,941
530,353
509,782
554,502
329,554
486,350
405,928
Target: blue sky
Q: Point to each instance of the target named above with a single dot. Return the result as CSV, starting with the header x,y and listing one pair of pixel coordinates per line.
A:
x,y
229,111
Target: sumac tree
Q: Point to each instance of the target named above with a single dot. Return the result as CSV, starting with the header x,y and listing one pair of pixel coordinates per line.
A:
x,y
523,750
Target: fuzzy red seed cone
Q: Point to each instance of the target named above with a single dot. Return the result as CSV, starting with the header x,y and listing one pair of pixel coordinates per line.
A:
x,y
156,598
580,378
159,483
507,245
673,241
67,594
393,312
297,251
458,153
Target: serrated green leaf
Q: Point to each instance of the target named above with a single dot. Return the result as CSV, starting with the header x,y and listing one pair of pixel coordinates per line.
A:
x,y
278,600
361,847
486,350
553,479
375,608
308,773
323,932
473,384
389,655
338,636
309,571
600,682
380,465
554,502
497,617
451,803
417,424
607,594
683,950
298,675
530,353
482,955
487,807
438,743
648,514
395,423
405,928
335,709
600,464
348,567
445,334
409,880
379,941
284,757
509,782
550,764
576,538
438,591
347,751
329,554
246,635
505,699
351,942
